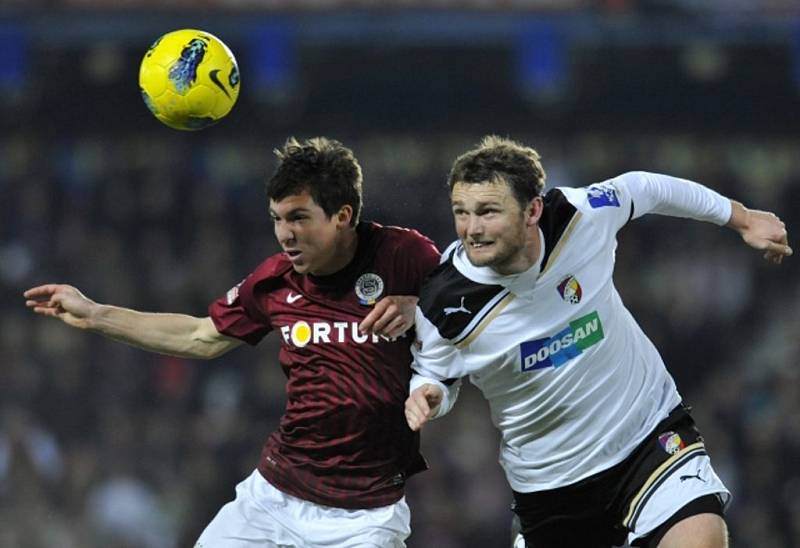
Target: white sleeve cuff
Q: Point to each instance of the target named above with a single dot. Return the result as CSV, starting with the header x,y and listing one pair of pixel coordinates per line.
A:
x,y
449,393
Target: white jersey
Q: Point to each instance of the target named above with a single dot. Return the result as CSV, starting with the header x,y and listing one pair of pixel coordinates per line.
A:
x,y
573,383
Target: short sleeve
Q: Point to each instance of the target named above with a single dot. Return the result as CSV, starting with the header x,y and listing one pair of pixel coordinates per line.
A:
x,y
234,314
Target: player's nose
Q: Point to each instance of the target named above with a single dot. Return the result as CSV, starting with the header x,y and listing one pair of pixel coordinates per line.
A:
x,y
474,226
283,233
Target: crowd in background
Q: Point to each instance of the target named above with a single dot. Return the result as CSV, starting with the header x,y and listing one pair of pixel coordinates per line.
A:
x,y
102,445
106,446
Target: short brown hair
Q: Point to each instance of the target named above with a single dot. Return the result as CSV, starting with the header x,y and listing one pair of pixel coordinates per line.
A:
x,y
497,159
325,168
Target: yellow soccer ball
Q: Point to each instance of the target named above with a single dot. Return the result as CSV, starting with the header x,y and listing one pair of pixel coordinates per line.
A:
x,y
189,79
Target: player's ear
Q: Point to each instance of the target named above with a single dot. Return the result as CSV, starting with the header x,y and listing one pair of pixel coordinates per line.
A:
x,y
534,211
344,215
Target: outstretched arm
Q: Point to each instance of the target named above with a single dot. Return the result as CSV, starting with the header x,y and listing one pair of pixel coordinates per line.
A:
x,y
174,334
761,230
666,195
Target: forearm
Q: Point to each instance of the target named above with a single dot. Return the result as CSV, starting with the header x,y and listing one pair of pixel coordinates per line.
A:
x,y
174,334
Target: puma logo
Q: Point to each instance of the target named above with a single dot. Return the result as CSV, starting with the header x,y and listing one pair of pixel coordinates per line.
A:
x,y
695,476
452,309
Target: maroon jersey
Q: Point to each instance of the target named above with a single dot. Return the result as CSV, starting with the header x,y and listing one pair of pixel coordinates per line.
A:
x,y
343,440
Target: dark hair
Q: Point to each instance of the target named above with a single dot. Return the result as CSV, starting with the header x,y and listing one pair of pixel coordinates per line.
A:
x,y
325,168
501,160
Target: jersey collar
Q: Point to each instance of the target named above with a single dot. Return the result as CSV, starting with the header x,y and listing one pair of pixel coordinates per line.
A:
x,y
516,283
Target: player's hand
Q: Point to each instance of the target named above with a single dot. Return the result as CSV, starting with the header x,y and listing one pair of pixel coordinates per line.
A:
x,y
766,232
761,230
63,302
391,316
422,404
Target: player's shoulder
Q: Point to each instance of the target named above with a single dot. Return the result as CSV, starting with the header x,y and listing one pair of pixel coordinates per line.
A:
x,y
562,212
608,196
452,301
266,276
561,204
395,235
273,267
401,245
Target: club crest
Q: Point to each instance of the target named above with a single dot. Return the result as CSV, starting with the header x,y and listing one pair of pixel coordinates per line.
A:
x,y
369,287
570,290
671,442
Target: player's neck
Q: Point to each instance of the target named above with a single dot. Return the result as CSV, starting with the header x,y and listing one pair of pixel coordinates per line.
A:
x,y
346,246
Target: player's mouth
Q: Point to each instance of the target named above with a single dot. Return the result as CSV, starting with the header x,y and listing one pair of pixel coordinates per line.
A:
x,y
480,245
294,255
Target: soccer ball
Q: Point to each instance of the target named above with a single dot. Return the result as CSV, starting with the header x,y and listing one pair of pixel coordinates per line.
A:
x,y
189,79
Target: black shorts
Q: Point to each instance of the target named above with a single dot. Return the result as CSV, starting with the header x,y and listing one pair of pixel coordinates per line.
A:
x,y
591,512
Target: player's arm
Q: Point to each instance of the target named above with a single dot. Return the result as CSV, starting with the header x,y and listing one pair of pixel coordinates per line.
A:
x,y
666,195
437,370
174,334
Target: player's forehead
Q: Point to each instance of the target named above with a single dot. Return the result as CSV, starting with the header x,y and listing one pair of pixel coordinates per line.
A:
x,y
480,194
300,201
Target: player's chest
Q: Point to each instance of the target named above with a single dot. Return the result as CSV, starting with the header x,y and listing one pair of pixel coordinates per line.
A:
x,y
563,310
306,317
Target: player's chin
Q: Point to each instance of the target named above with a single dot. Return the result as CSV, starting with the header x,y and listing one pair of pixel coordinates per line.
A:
x,y
480,256
301,268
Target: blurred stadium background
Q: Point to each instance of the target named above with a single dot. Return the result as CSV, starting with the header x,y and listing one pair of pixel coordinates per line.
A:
x,y
106,446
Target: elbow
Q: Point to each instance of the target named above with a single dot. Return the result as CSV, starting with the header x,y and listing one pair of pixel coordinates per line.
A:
x,y
206,343
635,177
200,349
212,352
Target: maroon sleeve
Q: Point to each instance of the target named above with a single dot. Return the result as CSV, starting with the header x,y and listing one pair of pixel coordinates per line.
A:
x,y
420,258
235,314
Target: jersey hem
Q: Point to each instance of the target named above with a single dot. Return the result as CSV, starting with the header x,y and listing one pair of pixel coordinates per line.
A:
x,y
532,487
352,502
